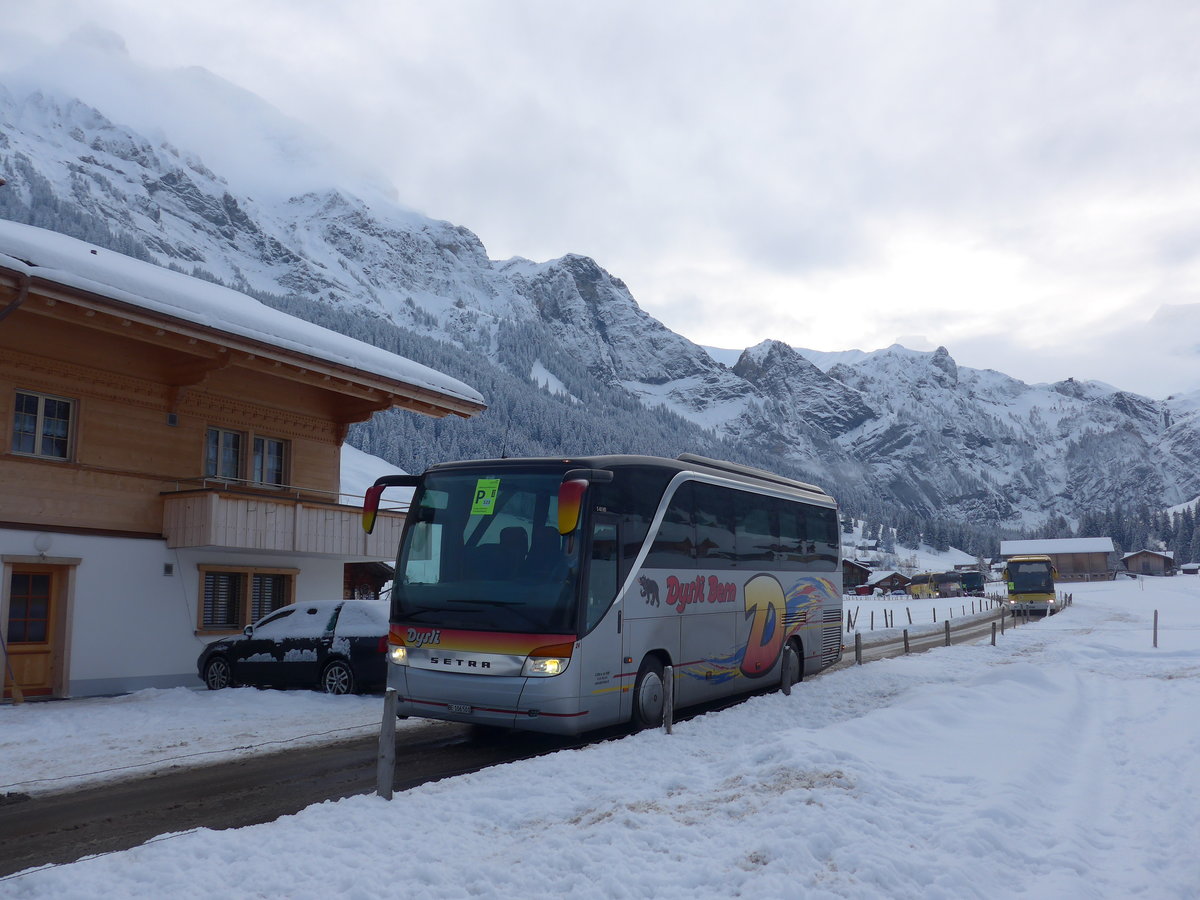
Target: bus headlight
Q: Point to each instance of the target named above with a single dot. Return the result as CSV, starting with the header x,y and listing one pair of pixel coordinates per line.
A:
x,y
544,666
550,660
398,655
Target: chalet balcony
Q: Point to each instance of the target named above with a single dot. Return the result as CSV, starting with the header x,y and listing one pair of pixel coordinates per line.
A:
x,y
283,522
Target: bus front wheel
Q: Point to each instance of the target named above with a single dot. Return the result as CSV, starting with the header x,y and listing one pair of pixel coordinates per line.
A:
x,y
649,694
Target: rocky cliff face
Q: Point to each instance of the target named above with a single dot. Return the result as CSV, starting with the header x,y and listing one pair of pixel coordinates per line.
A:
x,y
910,428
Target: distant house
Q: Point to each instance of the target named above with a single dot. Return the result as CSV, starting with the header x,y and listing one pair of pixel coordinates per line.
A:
x,y
170,468
854,574
1190,569
366,580
1076,559
889,581
1149,562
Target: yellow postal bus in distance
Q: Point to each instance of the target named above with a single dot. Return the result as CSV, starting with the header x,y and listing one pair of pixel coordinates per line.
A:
x,y
1031,584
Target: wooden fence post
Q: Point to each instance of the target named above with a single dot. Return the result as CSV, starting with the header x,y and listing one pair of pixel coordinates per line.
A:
x,y
905,641
1156,628
947,632
858,648
993,634
385,767
668,698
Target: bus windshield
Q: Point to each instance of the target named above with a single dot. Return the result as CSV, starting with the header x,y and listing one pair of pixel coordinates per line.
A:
x,y
482,551
1030,578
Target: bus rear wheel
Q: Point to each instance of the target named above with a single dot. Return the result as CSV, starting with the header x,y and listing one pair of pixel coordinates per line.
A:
x,y
792,669
649,695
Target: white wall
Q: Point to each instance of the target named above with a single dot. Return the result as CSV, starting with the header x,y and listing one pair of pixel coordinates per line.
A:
x,y
133,627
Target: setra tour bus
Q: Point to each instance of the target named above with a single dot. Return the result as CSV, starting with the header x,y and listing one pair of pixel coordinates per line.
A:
x,y
550,594
1031,584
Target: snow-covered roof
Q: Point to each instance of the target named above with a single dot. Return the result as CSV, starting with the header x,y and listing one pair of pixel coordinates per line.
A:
x,y
884,576
1166,554
73,263
1057,545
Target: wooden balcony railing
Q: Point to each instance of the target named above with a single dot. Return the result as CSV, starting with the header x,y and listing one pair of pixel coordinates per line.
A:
x,y
274,523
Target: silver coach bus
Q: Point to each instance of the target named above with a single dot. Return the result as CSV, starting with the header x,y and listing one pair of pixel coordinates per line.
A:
x,y
549,594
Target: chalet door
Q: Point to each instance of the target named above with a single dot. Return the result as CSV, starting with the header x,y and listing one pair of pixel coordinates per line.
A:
x,y
33,633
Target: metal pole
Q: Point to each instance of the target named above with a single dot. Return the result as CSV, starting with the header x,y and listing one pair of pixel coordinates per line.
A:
x,y
385,768
1156,628
947,632
905,641
668,698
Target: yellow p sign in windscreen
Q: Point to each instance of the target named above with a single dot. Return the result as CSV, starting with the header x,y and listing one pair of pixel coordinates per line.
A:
x,y
484,503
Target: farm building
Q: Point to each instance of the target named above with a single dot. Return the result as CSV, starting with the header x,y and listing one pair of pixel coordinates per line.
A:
x,y
1149,562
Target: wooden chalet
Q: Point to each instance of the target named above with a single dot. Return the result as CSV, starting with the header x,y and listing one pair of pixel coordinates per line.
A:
x,y
854,574
170,470
1149,562
889,581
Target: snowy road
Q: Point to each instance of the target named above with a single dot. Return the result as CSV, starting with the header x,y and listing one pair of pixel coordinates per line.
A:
x,y
1060,763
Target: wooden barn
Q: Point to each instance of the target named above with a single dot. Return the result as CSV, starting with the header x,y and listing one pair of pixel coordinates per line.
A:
x,y
1149,562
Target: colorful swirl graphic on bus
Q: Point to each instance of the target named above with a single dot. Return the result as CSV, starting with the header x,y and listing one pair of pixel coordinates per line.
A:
x,y
776,615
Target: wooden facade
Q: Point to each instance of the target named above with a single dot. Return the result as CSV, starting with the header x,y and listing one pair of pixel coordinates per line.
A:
x,y
211,449
1149,562
853,574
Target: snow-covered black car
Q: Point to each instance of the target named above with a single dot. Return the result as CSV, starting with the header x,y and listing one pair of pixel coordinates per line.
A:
x,y
339,646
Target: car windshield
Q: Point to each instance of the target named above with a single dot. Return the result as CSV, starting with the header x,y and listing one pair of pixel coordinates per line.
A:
x,y
1030,577
482,551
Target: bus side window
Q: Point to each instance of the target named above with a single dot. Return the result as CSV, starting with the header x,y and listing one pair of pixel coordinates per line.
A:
x,y
823,537
794,555
602,573
757,530
714,527
674,546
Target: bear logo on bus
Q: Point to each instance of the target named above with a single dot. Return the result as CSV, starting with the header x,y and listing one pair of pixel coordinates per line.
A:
x,y
649,590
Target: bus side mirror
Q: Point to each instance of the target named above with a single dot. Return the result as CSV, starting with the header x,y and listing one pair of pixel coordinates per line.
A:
x,y
570,504
375,492
570,495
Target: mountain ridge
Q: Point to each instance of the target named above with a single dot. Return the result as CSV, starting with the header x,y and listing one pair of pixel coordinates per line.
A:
x,y
893,427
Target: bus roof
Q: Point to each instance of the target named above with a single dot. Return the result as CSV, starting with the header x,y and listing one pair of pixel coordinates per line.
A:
x,y
686,462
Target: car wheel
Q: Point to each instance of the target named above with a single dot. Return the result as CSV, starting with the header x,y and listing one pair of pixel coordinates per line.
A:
x,y
217,674
337,678
649,695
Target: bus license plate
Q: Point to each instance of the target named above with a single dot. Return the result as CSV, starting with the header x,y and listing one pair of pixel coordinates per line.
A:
x,y
460,708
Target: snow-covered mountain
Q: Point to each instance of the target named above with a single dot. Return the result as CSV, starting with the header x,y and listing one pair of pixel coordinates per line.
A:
x,y
893,427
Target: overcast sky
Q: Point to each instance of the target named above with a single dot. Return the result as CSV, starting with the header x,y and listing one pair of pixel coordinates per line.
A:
x,y
1017,181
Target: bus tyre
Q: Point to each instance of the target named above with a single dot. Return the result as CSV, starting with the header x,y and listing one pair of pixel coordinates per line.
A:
x,y
649,695
792,671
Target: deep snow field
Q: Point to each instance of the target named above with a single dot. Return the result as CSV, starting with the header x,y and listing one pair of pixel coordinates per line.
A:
x,y
1060,763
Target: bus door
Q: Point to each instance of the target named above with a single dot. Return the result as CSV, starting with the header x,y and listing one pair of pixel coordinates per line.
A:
x,y
599,654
